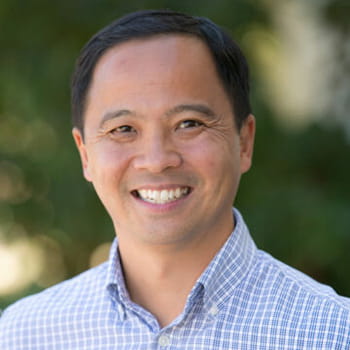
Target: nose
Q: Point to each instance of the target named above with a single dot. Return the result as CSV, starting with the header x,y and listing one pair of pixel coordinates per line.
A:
x,y
158,153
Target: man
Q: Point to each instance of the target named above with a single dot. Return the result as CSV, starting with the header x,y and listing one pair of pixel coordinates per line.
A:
x,y
164,129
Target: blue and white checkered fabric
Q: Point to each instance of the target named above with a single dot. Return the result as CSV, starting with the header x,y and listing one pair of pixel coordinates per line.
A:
x,y
245,299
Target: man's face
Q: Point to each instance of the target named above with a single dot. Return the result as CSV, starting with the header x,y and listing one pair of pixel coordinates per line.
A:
x,y
161,147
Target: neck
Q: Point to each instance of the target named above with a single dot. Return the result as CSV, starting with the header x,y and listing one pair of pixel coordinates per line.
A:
x,y
160,278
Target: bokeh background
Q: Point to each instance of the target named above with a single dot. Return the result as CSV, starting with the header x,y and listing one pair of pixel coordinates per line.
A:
x,y
296,198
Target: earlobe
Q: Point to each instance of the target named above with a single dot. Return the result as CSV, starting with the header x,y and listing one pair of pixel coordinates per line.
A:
x,y
79,141
247,135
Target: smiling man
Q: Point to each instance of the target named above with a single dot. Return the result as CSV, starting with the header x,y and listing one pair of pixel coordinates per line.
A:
x,y
163,126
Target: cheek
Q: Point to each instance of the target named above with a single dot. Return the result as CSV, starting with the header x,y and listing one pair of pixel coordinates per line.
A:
x,y
207,164
215,156
107,163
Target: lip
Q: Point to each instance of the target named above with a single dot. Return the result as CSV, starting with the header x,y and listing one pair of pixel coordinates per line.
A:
x,y
160,187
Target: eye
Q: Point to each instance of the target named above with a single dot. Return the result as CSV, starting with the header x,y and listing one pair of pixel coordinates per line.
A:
x,y
190,123
123,129
122,133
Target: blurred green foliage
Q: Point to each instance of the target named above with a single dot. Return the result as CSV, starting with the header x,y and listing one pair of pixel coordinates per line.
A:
x,y
296,198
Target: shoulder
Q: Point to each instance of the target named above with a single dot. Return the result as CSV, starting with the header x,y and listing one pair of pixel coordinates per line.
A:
x,y
53,305
79,287
298,304
294,282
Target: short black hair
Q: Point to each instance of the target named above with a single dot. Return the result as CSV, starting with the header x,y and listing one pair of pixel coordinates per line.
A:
x,y
231,65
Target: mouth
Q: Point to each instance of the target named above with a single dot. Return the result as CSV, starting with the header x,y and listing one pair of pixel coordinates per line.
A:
x,y
161,196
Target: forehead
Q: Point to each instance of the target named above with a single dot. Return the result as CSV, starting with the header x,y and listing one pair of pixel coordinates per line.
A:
x,y
155,72
161,53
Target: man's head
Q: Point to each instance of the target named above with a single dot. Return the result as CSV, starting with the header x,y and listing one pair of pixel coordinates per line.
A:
x,y
161,143
230,63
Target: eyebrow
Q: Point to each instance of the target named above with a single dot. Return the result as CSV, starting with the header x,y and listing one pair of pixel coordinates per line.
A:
x,y
115,114
199,108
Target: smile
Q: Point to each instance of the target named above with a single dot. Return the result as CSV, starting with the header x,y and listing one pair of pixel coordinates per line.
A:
x,y
162,196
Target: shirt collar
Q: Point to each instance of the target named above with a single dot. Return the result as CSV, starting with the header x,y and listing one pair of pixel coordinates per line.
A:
x,y
115,283
222,275
230,265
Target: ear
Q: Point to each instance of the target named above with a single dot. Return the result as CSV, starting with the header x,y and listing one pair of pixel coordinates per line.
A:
x,y
79,141
247,135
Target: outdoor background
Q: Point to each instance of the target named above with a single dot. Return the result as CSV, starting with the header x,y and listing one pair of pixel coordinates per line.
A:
x,y
295,199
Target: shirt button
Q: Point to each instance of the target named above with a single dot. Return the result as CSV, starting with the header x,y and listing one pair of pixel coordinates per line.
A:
x,y
164,340
214,310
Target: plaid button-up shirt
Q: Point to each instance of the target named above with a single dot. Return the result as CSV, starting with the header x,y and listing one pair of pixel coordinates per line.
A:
x,y
245,300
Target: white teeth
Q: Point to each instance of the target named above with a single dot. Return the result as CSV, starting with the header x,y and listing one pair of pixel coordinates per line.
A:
x,y
163,196
177,193
156,196
143,193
